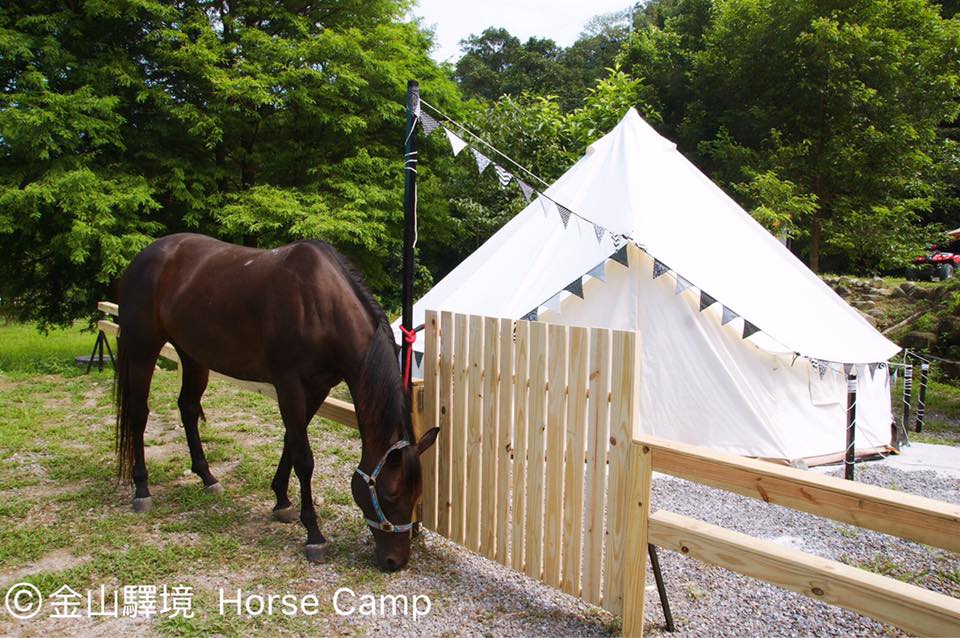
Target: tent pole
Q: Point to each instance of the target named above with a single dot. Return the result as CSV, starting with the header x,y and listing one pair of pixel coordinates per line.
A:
x,y
409,210
922,397
850,457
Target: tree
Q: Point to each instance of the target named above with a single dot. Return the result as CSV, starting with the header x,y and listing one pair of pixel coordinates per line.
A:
x,y
255,122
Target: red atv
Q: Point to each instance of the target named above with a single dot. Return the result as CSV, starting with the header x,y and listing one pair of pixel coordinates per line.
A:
x,y
941,262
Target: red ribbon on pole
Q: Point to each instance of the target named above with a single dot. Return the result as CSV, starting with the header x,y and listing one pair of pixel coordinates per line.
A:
x,y
410,336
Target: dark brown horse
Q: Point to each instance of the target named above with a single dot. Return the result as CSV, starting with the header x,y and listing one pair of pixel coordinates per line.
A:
x,y
297,317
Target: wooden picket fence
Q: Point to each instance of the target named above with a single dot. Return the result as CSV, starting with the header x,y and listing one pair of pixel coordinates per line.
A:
x,y
540,466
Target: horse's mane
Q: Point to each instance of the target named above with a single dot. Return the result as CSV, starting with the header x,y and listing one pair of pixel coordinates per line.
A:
x,y
380,373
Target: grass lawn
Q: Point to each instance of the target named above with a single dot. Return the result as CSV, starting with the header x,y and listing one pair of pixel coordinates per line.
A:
x,y
64,519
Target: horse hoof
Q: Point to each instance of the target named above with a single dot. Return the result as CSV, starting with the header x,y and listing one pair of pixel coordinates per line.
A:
x,y
215,488
142,504
288,514
316,552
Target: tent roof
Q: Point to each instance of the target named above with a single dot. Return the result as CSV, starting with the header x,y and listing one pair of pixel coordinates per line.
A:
x,y
634,182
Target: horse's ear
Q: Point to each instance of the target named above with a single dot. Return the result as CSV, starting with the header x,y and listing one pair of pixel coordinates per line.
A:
x,y
427,440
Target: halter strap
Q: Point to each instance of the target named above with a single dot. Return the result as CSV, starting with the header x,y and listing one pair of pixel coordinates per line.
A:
x,y
383,524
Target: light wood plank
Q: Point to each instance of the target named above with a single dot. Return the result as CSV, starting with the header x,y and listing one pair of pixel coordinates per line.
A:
x,y
912,517
474,522
489,426
108,308
598,423
622,416
556,418
521,368
445,441
458,473
913,609
428,460
504,440
536,448
634,569
578,364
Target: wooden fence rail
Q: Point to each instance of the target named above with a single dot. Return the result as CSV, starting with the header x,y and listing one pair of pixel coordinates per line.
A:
x,y
540,466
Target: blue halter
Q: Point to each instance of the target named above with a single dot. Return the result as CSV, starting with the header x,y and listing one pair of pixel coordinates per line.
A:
x,y
383,524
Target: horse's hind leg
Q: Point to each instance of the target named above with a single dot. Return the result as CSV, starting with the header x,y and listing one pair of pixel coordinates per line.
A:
x,y
192,387
137,390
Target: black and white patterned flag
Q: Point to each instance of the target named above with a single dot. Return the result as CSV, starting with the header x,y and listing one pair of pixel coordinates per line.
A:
x,y
848,368
749,329
621,257
456,144
682,284
728,316
428,123
526,189
599,231
617,239
503,175
706,301
530,316
576,287
482,160
419,357
565,214
659,268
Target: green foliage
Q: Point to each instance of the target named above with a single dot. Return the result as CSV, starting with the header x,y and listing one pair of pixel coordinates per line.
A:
x,y
120,122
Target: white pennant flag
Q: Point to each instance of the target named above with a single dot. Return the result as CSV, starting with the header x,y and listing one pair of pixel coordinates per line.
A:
x,y
526,189
553,303
455,142
482,160
546,204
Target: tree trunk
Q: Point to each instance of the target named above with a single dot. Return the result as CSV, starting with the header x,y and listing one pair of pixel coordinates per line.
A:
x,y
814,259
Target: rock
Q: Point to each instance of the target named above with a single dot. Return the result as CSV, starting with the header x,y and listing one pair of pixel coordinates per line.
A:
x,y
918,293
877,313
885,292
842,290
870,319
939,293
864,304
949,328
919,340
908,287
897,293
877,279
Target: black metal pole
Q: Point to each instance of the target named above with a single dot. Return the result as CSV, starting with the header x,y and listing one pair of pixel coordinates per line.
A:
x,y
850,457
409,209
661,588
907,397
922,397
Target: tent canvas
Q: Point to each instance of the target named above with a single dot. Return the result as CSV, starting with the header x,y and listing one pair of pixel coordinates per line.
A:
x,y
702,381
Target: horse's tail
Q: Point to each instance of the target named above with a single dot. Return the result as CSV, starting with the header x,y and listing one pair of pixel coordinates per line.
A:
x,y
124,429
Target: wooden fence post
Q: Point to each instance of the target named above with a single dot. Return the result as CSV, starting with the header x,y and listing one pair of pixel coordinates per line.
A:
x,y
634,567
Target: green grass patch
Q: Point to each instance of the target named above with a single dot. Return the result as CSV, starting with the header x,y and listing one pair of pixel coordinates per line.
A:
x,y
26,349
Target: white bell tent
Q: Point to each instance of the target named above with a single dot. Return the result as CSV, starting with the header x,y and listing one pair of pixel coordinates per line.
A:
x,y
758,371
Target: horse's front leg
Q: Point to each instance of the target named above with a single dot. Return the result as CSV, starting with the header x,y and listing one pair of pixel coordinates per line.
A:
x,y
293,409
284,510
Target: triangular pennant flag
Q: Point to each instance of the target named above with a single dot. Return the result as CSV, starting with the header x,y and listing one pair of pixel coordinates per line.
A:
x,y
795,355
428,123
599,231
545,203
621,257
823,370
455,142
659,268
419,357
873,369
847,368
503,175
598,272
682,284
749,329
553,303
526,189
530,316
896,371
576,287
728,316
565,214
482,160
706,300
617,239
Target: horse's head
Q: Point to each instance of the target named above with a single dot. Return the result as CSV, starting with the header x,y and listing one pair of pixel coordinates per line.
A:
x,y
387,494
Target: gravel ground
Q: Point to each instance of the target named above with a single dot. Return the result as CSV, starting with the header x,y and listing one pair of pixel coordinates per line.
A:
x,y
474,596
